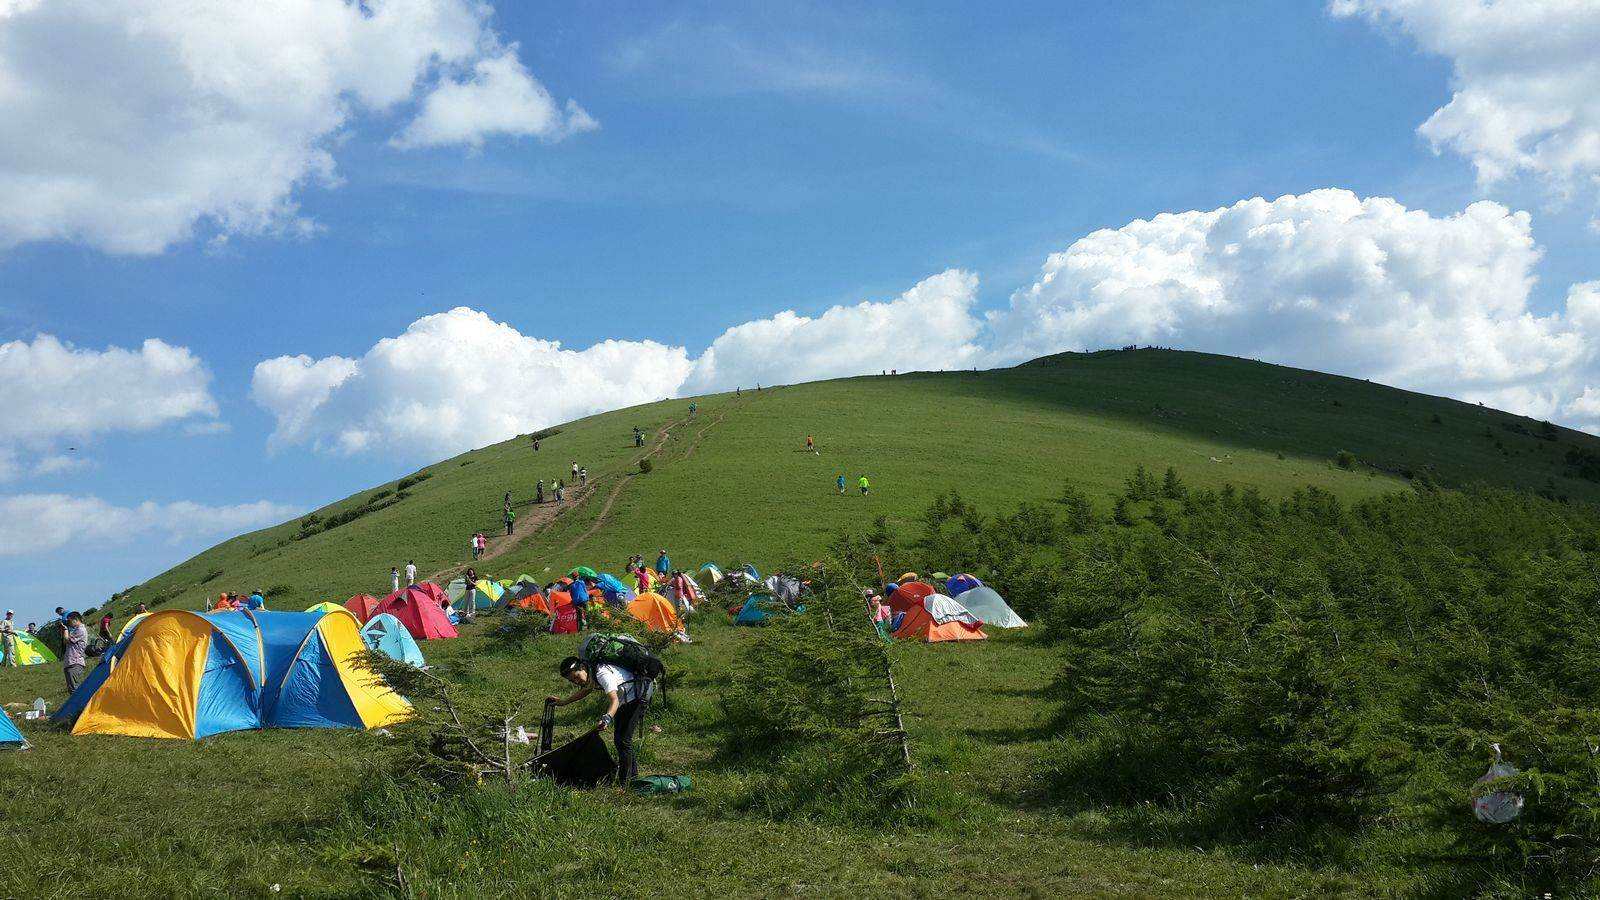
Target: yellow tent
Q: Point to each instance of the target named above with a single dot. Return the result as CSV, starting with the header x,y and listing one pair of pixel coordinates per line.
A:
x,y
31,651
326,607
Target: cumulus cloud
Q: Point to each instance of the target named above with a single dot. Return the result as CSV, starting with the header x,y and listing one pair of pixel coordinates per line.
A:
x,y
932,326
128,123
1328,281
52,391
453,381
1526,81
39,523
500,97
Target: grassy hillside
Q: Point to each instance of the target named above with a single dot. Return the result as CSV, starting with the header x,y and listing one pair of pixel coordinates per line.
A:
x,y
320,812
734,483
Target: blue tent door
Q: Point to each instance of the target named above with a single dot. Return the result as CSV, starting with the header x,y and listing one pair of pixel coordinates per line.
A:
x,y
228,699
10,737
313,695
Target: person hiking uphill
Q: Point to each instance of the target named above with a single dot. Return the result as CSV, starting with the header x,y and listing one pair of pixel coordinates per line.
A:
x,y
511,522
811,446
625,694
866,486
840,483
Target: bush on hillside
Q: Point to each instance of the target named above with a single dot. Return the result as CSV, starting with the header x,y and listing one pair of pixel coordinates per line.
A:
x,y
646,466
1305,674
411,481
1344,459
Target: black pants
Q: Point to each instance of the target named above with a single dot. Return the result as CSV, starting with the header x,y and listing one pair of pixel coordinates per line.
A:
x,y
580,610
508,529
624,729
75,677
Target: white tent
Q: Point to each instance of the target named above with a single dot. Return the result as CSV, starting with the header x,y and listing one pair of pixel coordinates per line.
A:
x,y
991,608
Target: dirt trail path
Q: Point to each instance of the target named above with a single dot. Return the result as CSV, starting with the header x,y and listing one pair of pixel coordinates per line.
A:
x,y
604,518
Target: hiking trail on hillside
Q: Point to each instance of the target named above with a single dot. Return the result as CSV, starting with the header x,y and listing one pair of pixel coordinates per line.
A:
x,y
542,515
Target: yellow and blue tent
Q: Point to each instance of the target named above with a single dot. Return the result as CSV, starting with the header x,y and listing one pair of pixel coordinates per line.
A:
x,y
30,651
182,674
326,606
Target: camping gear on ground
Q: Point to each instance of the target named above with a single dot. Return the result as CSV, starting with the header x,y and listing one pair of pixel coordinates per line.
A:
x,y
565,619
656,612
1497,807
751,573
10,736
938,618
30,651
956,585
363,606
419,612
525,593
186,675
581,762
620,650
326,606
938,577
759,608
784,587
991,608
908,594
615,592
385,634
661,784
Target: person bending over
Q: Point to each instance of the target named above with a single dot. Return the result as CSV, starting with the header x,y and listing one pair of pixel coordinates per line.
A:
x,y
625,695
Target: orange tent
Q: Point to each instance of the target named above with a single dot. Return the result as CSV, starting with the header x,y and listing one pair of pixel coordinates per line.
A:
x,y
922,625
365,606
909,595
656,612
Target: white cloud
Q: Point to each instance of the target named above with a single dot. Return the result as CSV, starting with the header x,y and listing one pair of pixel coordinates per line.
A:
x,y
453,381
1526,82
929,327
61,465
499,98
39,523
1324,280
130,123
51,391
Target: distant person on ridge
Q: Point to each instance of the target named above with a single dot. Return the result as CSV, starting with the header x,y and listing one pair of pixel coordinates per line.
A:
x,y
411,572
76,642
561,491
693,408
663,564
105,627
61,614
256,600
141,610
866,486
583,476
574,470
841,484
538,492
511,521
394,576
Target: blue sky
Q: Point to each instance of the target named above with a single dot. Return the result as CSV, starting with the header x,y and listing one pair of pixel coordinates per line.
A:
x,y
746,161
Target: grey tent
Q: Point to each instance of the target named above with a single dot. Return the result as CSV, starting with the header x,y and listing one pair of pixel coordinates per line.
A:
x,y
989,606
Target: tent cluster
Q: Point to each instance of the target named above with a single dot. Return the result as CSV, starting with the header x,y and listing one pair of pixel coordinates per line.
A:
x,y
30,651
186,675
918,611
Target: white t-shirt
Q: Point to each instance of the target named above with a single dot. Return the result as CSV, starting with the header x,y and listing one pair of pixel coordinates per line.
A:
x,y
411,572
615,678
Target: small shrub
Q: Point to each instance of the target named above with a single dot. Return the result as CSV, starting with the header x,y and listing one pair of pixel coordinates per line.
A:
x,y
413,480
1344,459
646,466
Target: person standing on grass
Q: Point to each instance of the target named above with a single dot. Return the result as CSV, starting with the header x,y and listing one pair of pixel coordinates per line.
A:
x,y
411,572
105,627
626,694
256,600
538,492
76,641
840,483
61,615
561,491
583,476
663,564
574,470
811,445
8,637
511,521
471,599
394,576
866,486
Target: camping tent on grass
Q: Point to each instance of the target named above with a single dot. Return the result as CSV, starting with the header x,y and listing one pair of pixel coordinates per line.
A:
x,y
10,737
615,592
956,585
182,674
420,613
30,651
363,606
386,635
758,609
488,593
525,593
908,595
939,618
327,606
989,606
656,612
711,571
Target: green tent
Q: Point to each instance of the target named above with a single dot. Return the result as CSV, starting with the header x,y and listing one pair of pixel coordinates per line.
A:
x,y
30,651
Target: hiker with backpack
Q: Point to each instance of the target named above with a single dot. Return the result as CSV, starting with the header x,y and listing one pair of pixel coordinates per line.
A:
x,y
625,671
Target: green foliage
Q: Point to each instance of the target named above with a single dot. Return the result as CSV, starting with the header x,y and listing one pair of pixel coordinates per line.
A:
x,y
1344,459
410,481
646,466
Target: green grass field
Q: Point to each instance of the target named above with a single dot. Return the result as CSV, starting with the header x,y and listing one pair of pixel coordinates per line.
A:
x,y
318,812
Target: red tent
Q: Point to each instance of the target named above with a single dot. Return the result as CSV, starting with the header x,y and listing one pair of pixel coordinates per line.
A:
x,y
908,595
420,612
365,606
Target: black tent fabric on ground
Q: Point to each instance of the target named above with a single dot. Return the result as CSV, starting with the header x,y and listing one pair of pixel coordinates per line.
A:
x,y
581,762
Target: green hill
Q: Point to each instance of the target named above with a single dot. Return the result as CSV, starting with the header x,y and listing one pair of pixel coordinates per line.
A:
x,y
733,482
313,812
